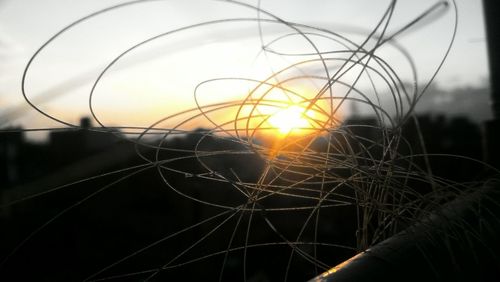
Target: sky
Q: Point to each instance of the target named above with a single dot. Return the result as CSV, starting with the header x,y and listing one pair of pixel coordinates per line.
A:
x,y
158,79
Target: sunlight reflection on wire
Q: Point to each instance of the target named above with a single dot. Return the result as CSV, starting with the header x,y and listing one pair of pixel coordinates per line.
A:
x,y
313,158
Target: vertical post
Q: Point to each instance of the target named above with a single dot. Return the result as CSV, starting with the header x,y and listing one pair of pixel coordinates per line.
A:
x,y
492,127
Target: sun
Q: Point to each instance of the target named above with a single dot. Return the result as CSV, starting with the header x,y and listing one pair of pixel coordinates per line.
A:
x,y
292,119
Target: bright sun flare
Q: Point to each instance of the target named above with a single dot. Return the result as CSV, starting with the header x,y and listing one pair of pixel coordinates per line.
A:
x,y
293,117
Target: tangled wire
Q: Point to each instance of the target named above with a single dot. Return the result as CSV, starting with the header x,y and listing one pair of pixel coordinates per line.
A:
x,y
278,166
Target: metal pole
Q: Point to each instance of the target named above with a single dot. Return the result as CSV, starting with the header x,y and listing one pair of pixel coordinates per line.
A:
x,y
456,243
492,127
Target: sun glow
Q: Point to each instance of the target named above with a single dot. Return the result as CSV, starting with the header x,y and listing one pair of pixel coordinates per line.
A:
x,y
293,118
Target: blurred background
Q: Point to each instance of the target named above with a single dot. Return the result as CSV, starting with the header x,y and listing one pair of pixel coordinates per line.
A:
x,y
158,78
84,196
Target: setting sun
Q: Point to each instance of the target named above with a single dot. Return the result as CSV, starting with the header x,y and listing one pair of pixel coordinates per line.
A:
x,y
293,117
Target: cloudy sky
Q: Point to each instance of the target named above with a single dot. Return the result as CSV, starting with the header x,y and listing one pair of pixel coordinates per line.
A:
x,y
159,78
